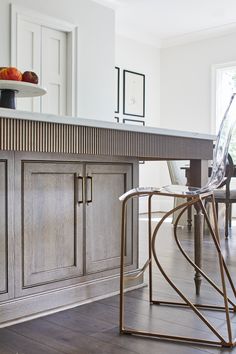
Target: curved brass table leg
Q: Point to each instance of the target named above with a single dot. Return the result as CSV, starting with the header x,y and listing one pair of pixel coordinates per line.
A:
x,y
217,242
223,269
209,280
122,256
216,237
172,284
148,263
186,302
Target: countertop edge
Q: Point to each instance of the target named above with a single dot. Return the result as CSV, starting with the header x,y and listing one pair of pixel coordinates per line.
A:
x,y
50,118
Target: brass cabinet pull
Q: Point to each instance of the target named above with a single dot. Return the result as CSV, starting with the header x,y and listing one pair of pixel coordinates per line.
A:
x,y
80,187
89,200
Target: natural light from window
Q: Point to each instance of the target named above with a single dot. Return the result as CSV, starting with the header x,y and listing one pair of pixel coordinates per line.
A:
x,y
225,86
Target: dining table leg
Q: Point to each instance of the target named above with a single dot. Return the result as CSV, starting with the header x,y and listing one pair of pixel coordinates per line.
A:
x,y
198,238
198,175
189,218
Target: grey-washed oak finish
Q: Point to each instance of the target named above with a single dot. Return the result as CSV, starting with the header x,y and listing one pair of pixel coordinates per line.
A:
x,y
6,226
55,263
52,232
103,216
49,266
42,136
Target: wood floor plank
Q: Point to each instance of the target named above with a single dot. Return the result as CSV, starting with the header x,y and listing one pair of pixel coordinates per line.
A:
x,y
16,343
71,319
93,328
143,345
67,341
99,311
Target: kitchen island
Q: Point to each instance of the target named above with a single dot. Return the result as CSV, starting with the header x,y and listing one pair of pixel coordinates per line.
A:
x,y
60,179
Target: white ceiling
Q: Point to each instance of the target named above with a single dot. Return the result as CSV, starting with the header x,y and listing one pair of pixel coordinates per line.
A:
x,y
162,22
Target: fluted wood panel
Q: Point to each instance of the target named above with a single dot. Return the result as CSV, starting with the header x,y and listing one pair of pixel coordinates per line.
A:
x,y
26,135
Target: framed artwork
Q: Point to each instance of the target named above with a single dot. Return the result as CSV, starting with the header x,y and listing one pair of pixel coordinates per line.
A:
x,y
117,119
117,89
133,94
133,121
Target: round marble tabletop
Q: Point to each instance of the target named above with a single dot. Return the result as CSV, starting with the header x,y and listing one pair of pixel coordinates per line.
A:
x,y
22,89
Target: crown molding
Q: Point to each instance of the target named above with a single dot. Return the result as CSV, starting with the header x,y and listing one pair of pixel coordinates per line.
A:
x,y
138,34
142,37
199,35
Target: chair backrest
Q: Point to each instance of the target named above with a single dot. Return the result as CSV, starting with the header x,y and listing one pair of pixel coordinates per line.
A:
x,y
222,146
176,175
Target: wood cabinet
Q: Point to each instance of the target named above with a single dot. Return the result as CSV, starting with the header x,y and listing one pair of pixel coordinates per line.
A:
x,y
60,230
66,248
68,222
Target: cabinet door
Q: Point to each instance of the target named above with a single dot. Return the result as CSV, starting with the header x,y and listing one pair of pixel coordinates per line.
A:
x,y
52,222
103,215
6,230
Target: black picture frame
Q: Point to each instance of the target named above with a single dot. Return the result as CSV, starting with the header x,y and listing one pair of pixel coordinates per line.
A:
x,y
133,121
117,89
133,93
117,119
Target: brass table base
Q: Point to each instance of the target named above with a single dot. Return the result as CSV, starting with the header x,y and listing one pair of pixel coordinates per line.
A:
x,y
229,304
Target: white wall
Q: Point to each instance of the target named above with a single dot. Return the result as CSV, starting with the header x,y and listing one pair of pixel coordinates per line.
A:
x,y
145,59
95,53
186,83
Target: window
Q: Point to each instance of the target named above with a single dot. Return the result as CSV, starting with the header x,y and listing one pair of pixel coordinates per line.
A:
x,y
225,85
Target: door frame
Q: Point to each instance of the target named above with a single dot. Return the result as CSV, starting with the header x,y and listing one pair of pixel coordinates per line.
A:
x,y
17,13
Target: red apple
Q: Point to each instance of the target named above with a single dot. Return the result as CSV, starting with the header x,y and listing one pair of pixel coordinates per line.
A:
x,y
30,76
10,73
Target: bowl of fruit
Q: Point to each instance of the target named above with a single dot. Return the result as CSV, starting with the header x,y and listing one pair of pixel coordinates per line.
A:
x,y
14,83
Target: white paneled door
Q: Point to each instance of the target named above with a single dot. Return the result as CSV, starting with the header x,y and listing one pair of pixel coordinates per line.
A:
x,y
44,51
28,58
54,67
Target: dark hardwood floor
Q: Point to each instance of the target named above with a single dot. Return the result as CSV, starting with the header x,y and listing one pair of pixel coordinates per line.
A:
x,y
93,328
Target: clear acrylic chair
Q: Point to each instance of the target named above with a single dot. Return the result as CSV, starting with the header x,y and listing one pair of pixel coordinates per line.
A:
x,y
191,196
227,196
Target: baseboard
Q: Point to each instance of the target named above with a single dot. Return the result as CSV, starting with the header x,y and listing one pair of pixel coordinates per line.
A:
x,y
35,306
